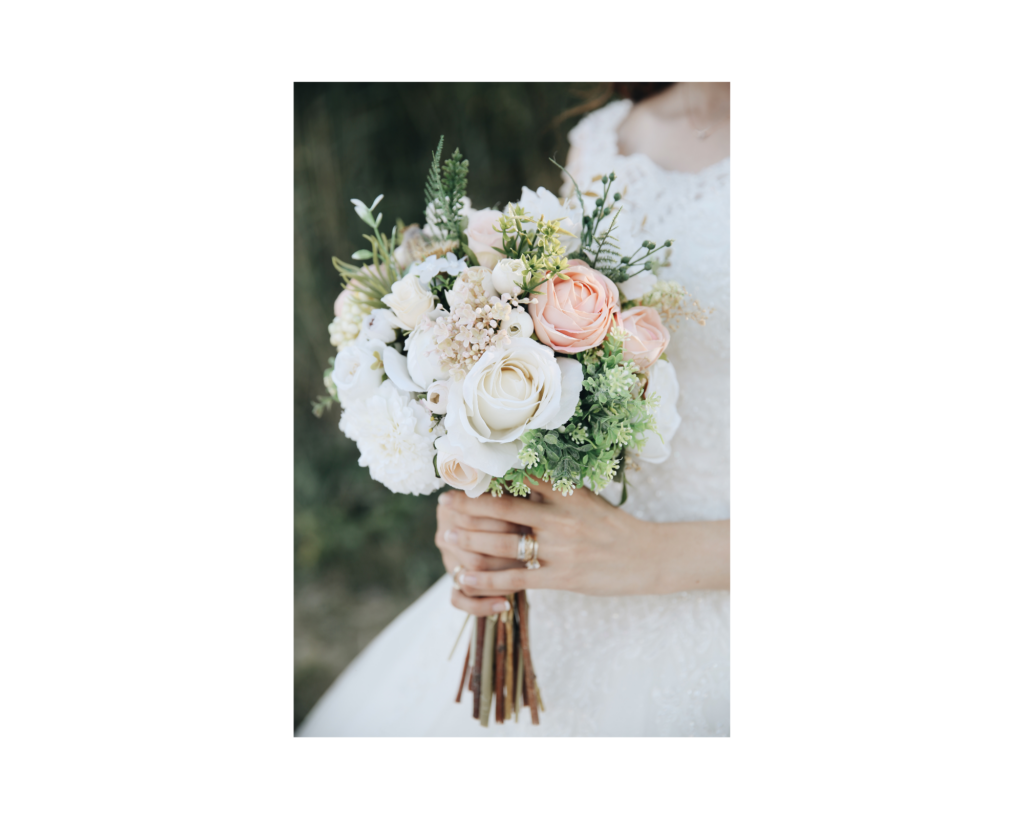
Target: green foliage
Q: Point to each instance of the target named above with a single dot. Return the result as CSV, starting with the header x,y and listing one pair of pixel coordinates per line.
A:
x,y
540,249
444,191
599,247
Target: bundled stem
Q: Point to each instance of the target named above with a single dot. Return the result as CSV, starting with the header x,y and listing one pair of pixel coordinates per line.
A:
x,y
478,656
499,670
524,625
487,672
465,672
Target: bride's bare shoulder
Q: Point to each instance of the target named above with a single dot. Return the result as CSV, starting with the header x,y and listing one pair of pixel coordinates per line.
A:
x,y
673,131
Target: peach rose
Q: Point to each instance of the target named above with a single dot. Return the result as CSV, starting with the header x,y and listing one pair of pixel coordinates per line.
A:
x,y
648,337
484,240
575,314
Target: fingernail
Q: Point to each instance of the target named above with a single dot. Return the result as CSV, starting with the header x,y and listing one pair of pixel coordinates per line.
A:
x,y
445,499
468,579
451,536
502,606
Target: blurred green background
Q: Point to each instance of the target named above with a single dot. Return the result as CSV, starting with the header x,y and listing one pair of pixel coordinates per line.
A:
x,y
362,554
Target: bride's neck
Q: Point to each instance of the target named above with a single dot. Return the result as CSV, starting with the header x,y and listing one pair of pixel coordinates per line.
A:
x,y
703,99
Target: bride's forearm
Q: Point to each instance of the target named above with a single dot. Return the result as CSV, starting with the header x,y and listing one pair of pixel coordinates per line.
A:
x,y
689,555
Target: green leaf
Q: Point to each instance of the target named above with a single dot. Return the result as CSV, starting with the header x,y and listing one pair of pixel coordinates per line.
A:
x,y
362,255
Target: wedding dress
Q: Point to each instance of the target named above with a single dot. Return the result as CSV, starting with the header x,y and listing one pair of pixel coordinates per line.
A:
x,y
654,665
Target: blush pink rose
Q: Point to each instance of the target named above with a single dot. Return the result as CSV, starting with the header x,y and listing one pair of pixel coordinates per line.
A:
x,y
575,314
648,337
484,240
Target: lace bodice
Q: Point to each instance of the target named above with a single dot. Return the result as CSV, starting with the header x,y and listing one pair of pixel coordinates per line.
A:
x,y
692,209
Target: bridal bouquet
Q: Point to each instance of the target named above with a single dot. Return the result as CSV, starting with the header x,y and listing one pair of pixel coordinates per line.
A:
x,y
490,350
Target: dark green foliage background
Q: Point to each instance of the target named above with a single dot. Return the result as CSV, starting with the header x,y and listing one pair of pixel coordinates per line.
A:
x,y
362,553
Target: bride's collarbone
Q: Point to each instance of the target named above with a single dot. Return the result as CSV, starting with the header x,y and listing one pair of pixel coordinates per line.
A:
x,y
673,142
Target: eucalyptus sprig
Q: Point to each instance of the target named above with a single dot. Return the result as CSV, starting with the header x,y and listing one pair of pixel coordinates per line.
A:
x,y
599,246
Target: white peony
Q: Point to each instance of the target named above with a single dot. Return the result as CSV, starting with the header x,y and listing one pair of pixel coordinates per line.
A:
x,y
638,286
662,381
508,391
508,275
456,472
409,300
395,440
544,203
379,324
358,370
436,401
519,324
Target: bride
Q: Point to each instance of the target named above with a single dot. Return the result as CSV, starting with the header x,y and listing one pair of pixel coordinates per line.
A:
x,y
629,612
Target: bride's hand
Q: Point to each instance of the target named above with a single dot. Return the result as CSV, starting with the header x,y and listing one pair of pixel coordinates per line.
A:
x,y
585,545
457,557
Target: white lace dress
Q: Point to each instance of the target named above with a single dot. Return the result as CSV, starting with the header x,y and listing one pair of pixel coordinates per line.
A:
x,y
654,665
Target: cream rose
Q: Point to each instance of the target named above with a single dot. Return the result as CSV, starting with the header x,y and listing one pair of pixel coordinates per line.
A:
x,y
359,371
648,337
455,472
508,275
436,401
409,300
509,390
519,324
575,314
484,240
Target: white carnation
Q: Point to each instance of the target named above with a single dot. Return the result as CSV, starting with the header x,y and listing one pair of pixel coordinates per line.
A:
x,y
395,440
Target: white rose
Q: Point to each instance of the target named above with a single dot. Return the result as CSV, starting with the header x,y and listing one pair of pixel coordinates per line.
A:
x,y
508,275
455,472
379,324
545,203
436,401
638,286
509,390
358,370
484,240
519,324
662,382
409,301
422,358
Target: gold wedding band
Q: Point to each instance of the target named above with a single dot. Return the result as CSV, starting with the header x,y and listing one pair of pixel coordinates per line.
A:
x,y
534,562
527,548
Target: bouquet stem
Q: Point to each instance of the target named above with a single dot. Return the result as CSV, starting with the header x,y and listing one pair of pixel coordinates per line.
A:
x,y
478,656
487,672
